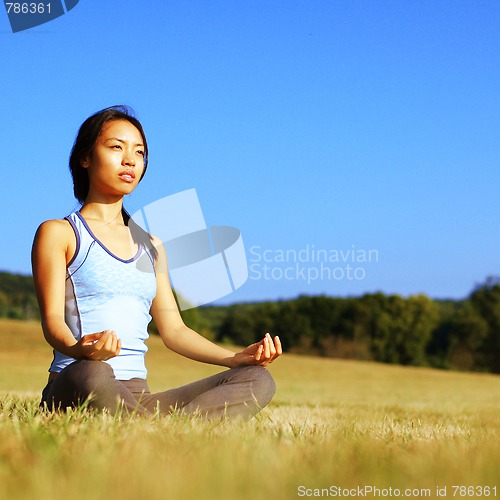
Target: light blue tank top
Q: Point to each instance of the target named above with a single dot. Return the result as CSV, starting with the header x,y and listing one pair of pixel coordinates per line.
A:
x,y
104,292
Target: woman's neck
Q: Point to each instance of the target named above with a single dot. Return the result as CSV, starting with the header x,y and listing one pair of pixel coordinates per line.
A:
x,y
107,213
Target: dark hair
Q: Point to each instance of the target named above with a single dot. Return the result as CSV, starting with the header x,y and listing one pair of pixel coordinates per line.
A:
x,y
84,145
85,142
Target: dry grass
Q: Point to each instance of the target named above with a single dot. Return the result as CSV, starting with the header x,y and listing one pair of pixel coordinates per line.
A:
x,y
332,423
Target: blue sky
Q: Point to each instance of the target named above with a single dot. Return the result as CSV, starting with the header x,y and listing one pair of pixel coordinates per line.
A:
x,y
334,125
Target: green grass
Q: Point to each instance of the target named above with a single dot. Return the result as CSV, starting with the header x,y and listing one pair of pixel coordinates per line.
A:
x,y
332,423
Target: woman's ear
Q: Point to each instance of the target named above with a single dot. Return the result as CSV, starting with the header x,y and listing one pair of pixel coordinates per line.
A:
x,y
85,162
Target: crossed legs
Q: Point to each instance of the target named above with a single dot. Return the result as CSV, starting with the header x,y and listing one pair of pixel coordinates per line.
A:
x,y
239,392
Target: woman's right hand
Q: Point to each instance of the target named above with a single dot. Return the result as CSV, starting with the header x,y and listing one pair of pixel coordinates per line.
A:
x,y
98,346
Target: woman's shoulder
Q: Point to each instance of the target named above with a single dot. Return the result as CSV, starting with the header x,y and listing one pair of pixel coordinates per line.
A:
x,y
57,230
55,225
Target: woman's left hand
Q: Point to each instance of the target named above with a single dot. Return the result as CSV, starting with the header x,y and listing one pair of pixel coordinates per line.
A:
x,y
261,353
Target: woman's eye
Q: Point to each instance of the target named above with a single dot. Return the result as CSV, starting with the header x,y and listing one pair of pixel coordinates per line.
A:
x,y
116,146
140,152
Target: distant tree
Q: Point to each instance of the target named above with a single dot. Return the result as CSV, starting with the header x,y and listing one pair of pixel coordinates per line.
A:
x,y
469,331
401,328
18,299
4,304
350,331
383,332
293,325
439,343
242,325
486,300
323,313
354,320
265,319
423,317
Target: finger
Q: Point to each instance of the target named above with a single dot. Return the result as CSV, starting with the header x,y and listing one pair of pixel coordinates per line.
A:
x,y
259,352
116,346
275,348
91,338
267,350
113,345
110,344
272,347
277,344
105,343
101,341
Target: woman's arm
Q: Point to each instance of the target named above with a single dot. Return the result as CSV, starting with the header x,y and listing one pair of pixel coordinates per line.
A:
x,y
182,340
52,249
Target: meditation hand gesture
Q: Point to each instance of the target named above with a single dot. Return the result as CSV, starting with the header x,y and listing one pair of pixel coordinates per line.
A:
x,y
261,353
98,346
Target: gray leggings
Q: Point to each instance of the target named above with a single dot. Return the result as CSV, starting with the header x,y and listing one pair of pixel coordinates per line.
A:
x,y
239,392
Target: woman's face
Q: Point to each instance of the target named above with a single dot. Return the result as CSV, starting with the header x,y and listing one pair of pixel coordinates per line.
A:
x,y
116,164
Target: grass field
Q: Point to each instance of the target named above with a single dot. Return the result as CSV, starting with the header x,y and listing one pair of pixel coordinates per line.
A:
x,y
333,426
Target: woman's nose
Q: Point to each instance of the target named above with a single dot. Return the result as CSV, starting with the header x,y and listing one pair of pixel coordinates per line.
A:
x,y
128,159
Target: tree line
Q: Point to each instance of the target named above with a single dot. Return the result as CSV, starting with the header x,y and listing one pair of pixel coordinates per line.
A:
x,y
17,297
417,330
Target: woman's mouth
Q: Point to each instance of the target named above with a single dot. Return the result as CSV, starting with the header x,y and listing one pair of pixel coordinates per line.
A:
x,y
127,176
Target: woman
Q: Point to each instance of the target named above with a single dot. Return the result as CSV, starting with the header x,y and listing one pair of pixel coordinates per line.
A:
x,y
96,302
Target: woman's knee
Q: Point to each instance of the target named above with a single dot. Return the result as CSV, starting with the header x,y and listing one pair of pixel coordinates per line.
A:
x,y
90,375
78,382
262,384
